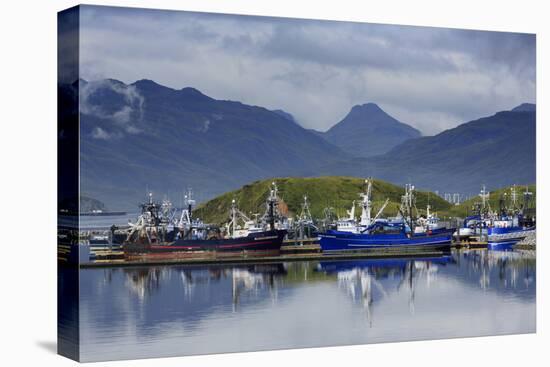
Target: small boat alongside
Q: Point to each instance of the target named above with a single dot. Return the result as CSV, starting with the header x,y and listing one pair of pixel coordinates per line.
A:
x,y
511,224
505,234
474,227
501,228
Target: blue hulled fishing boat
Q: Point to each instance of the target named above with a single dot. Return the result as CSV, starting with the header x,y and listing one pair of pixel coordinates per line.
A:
x,y
475,226
383,236
501,238
511,224
376,233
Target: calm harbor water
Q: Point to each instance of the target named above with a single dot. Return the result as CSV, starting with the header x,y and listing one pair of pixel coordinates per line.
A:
x,y
183,310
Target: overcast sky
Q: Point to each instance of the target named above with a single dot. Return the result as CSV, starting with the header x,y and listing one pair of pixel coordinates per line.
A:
x,y
430,78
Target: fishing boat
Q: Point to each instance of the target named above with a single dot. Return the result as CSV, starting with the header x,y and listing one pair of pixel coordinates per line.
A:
x,y
156,236
304,227
376,233
429,222
350,225
507,232
475,226
511,224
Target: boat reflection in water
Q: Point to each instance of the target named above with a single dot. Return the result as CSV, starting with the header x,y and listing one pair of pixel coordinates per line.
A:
x,y
184,310
368,280
144,282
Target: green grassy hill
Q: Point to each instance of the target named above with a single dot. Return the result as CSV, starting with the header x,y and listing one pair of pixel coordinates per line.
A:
x,y
332,191
465,208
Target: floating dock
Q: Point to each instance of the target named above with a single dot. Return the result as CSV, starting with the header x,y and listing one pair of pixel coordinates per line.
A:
x,y
301,246
292,250
304,256
470,244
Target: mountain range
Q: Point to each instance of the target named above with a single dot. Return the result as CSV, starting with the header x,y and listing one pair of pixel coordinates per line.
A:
x,y
498,151
143,137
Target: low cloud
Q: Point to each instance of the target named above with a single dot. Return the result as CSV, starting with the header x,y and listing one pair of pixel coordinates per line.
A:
x,y
126,116
430,78
99,133
206,126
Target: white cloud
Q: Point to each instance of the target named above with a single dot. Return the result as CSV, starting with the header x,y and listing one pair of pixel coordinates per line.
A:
x,y
99,133
126,117
431,78
206,126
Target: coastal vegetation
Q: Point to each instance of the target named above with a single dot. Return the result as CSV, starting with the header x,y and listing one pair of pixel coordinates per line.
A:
x,y
337,193
333,192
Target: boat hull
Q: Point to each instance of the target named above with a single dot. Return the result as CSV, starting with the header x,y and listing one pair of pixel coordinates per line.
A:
x,y
506,238
266,243
334,241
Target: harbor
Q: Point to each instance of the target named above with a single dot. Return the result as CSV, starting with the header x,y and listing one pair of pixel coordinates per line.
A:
x,y
164,235
366,273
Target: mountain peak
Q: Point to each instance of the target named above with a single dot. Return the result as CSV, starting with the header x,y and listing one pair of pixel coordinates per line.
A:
x,y
525,107
367,111
154,87
367,130
148,84
370,106
193,92
115,81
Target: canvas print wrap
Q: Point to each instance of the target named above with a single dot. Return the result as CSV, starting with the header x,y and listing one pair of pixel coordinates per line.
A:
x,y
238,183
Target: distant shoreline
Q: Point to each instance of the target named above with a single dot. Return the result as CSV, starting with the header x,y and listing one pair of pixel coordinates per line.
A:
x,y
102,214
94,214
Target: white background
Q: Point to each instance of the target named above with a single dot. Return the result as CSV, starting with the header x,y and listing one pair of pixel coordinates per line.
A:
x,y
28,179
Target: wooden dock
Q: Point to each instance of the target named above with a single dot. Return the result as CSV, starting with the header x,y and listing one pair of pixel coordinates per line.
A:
x,y
300,246
291,250
472,243
299,256
525,246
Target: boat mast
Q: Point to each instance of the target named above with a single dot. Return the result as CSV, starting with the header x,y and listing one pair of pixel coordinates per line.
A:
x,y
514,198
527,196
366,204
484,195
381,209
271,203
305,214
410,196
502,205
190,203
407,203
351,212
233,218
